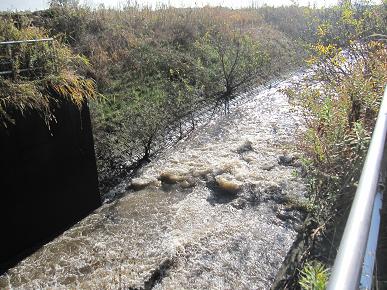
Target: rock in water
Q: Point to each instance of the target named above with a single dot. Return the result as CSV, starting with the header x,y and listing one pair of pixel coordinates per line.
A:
x,y
227,182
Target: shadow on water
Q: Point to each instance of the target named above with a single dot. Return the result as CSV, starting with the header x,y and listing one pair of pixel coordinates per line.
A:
x,y
167,187
220,195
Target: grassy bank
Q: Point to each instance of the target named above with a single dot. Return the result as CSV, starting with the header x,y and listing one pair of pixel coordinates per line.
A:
x,y
154,68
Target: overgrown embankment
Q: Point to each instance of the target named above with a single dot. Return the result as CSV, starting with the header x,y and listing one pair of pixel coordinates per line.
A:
x,y
341,105
155,69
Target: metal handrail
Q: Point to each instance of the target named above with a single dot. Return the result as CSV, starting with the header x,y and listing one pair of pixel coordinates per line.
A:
x,y
25,41
11,70
347,268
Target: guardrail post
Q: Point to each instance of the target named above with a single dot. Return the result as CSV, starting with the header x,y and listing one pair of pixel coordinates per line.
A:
x,y
11,60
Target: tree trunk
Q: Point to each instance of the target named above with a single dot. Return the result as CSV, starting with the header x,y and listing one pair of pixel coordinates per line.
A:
x,y
226,100
180,131
147,149
193,122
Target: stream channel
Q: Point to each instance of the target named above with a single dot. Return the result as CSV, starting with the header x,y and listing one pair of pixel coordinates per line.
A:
x,y
215,211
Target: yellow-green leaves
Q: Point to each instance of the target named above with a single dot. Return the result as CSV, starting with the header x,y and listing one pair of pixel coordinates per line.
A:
x,y
314,276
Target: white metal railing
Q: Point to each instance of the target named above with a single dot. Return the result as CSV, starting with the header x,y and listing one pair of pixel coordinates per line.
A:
x,y
9,60
26,41
353,267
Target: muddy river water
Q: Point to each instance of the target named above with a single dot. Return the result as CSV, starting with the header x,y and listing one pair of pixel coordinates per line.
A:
x,y
213,212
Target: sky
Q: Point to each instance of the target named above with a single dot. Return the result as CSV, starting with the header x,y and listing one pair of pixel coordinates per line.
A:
x,y
32,5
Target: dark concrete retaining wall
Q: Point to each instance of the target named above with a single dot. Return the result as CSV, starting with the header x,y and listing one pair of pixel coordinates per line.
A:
x,y
48,179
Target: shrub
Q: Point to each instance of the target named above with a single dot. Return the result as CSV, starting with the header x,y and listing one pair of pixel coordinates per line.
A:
x,y
340,112
314,276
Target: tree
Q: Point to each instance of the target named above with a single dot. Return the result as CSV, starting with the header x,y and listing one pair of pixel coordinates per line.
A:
x,y
233,60
146,116
345,36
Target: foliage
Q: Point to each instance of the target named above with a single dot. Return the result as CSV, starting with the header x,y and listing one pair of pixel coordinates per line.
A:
x,y
156,68
50,75
234,60
314,276
340,113
340,122
21,97
64,3
345,35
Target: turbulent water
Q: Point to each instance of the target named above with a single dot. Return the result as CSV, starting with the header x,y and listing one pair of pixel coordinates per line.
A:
x,y
217,211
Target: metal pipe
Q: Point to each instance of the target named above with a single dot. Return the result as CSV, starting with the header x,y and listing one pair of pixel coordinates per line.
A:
x,y
370,254
26,41
349,260
20,70
9,44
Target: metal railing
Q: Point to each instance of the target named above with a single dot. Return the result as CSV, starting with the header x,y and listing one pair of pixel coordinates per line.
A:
x,y
354,264
10,61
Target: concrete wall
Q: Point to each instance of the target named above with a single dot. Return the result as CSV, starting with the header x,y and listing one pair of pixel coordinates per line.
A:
x,y
48,179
